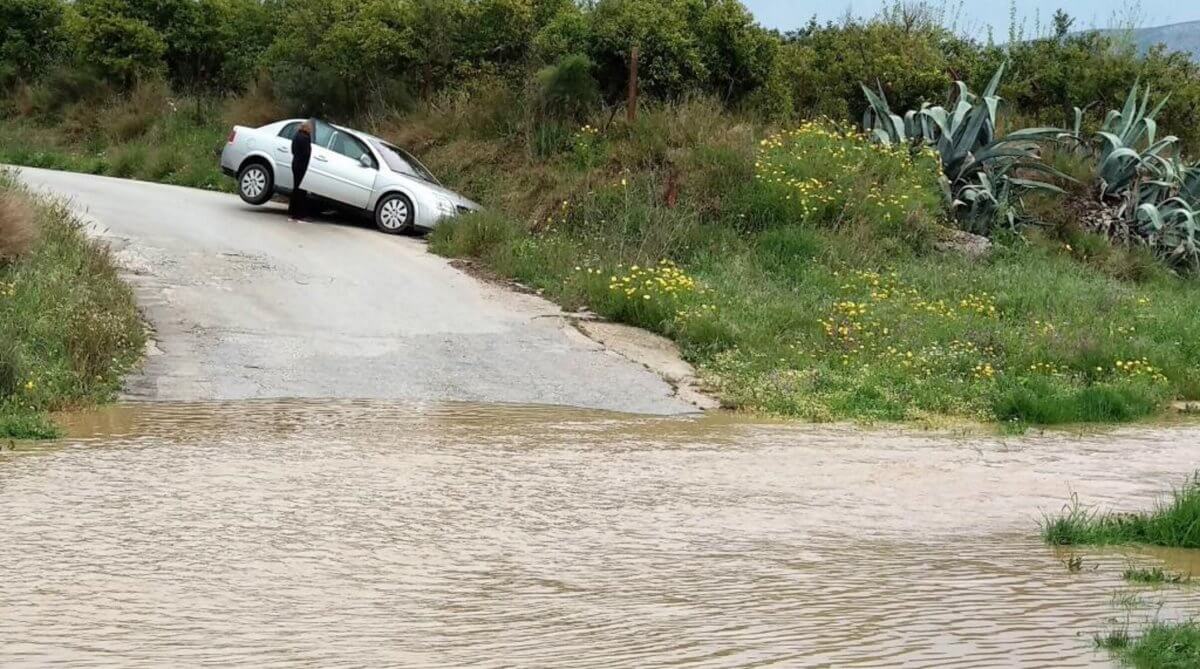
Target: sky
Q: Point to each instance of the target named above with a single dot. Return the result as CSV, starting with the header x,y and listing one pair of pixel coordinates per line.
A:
x,y
976,15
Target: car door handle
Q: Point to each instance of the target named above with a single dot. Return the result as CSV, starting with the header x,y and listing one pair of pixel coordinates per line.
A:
x,y
322,159
281,150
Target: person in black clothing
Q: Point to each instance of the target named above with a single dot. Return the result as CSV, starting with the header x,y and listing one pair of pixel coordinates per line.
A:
x,y
301,153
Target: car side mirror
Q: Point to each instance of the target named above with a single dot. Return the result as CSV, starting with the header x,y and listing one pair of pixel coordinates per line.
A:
x,y
365,161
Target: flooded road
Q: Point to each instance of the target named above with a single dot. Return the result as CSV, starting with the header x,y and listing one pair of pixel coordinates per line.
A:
x,y
373,534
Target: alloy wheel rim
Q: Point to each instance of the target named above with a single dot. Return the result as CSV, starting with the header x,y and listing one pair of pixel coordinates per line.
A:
x,y
253,182
394,214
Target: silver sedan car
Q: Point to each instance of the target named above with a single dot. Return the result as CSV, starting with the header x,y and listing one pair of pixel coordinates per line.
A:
x,y
349,169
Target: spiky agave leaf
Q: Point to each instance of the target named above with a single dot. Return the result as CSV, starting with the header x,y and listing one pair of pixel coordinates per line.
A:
x,y
1171,228
878,120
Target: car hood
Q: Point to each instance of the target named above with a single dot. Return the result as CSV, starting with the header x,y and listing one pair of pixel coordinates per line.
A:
x,y
435,189
458,199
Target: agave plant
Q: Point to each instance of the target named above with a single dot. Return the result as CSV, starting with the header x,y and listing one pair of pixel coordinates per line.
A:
x,y
1145,189
1170,228
1163,178
982,174
1130,147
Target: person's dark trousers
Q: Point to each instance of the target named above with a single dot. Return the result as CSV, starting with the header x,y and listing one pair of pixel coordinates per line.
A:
x,y
298,203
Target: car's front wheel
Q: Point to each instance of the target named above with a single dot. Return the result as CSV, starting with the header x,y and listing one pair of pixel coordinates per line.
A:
x,y
256,184
394,214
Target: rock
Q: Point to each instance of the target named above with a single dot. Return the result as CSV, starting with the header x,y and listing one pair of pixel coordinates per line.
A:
x,y
965,244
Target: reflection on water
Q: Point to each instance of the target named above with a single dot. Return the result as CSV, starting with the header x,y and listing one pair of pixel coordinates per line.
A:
x,y
370,534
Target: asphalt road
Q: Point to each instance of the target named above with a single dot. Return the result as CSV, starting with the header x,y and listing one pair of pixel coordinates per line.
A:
x,y
246,305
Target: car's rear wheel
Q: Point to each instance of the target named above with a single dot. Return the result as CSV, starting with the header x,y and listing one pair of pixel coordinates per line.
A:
x,y
394,214
256,184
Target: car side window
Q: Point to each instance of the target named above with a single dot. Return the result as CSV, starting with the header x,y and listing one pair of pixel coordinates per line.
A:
x,y
322,133
289,130
352,148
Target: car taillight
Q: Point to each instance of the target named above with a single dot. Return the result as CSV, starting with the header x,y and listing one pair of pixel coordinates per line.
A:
x,y
232,134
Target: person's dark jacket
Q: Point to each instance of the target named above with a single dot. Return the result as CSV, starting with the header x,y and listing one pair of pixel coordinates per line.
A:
x,y
301,154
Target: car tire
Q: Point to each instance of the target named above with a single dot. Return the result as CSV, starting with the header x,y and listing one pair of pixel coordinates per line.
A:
x,y
395,214
256,184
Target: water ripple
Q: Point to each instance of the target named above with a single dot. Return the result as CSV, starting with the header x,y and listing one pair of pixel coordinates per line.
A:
x,y
366,534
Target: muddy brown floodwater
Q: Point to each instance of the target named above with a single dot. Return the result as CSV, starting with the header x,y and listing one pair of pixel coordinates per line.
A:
x,y
368,534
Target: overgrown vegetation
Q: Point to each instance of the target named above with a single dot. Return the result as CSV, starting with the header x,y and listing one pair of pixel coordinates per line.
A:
x,y
799,263
1154,576
1163,645
1173,523
68,325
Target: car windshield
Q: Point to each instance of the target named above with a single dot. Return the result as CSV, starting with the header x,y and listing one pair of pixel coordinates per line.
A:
x,y
402,161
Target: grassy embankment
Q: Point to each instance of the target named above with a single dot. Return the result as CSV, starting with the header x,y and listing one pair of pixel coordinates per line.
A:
x,y
796,269
1173,523
1160,646
69,328
147,135
805,280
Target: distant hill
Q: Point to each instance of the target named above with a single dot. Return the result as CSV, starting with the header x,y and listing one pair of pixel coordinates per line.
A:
x,y
1177,37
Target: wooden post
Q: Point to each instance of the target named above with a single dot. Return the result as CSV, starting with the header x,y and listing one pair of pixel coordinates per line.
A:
x,y
632,103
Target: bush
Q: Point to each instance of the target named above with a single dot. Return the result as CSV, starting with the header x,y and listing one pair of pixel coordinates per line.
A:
x,y
670,62
130,117
568,90
123,49
32,38
64,87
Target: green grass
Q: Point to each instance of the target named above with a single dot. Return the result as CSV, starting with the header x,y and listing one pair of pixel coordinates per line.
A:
x,y
1154,576
69,328
1163,645
1175,523
178,148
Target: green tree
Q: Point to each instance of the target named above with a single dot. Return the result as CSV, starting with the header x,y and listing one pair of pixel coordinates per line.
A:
x,y
909,60
563,33
500,30
122,49
32,37
671,62
1062,24
207,44
738,54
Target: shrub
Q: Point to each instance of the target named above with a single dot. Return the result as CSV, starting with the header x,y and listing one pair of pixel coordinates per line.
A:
x,y
909,62
32,37
129,117
568,90
123,49
670,63
64,87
